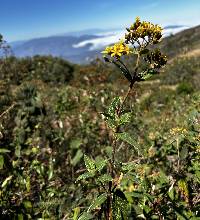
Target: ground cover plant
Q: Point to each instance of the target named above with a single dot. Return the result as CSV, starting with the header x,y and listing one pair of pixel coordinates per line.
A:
x,y
141,148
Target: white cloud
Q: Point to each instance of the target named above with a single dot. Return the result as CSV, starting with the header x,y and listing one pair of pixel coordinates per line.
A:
x,y
110,38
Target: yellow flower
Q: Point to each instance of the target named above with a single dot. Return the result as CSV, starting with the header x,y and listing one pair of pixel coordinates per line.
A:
x,y
178,130
108,50
117,50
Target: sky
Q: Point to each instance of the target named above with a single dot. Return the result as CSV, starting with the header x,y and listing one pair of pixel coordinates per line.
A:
x,y
26,19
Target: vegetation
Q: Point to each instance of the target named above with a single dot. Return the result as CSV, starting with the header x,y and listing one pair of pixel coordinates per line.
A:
x,y
51,126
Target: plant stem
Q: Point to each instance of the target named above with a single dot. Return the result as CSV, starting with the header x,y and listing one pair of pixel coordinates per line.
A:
x,y
7,110
177,145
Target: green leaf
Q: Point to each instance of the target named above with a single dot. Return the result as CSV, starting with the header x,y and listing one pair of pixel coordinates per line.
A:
x,y
127,138
27,204
18,151
125,118
28,184
85,216
108,151
120,206
77,157
50,173
124,71
100,164
76,213
114,106
1,162
85,176
128,166
146,76
3,150
89,163
111,123
20,217
171,192
75,144
98,202
5,182
104,178
184,153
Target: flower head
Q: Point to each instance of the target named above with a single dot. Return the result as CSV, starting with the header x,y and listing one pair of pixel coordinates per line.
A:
x,y
117,50
144,30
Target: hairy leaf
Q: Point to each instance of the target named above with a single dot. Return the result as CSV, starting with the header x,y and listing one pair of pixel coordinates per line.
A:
x,y
85,216
100,164
127,138
120,206
105,178
89,163
125,118
98,202
85,176
114,106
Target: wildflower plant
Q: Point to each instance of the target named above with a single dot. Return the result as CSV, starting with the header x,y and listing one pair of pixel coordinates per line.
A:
x,y
108,173
139,41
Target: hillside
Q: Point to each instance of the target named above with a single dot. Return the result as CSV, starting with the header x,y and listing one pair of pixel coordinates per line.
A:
x,y
77,47
182,43
51,115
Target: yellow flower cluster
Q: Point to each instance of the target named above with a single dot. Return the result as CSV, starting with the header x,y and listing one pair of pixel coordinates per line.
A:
x,y
142,30
117,50
178,130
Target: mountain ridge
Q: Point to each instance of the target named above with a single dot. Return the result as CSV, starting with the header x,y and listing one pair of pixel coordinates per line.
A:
x,y
78,48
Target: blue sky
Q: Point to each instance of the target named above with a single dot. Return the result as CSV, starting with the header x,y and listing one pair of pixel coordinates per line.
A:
x,y
25,19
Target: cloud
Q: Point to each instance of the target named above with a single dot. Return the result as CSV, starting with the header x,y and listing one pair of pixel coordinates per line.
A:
x,y
99,43
109,38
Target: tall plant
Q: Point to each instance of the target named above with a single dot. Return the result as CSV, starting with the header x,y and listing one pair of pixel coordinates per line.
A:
x,y
139,44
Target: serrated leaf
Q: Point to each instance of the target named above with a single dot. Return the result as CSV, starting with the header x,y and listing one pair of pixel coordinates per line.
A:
x,y
98,202
127,138
111,123
85,216
128,166
3,150
85,176
89,163
120,206
104,178
100,164
114,106
77,157
125,118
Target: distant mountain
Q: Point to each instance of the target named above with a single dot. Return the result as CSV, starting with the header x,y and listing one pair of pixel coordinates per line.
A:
x,y
77,47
